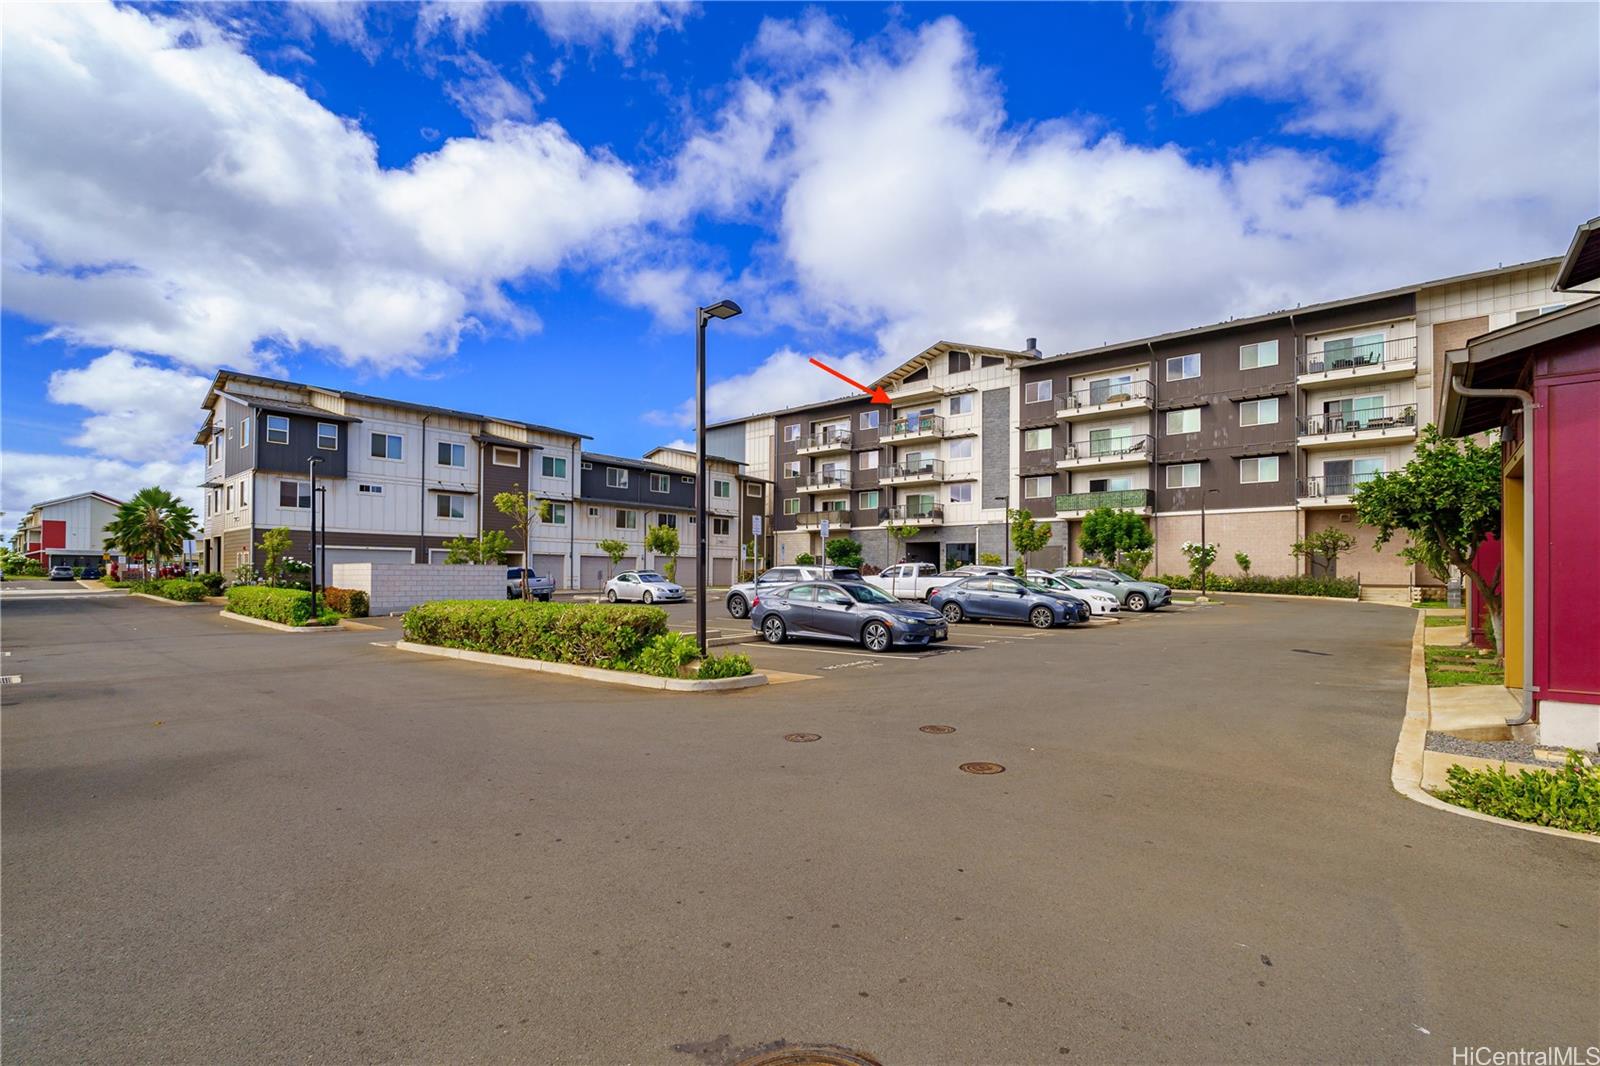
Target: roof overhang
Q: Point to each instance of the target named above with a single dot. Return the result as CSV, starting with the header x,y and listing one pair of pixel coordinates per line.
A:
x,y
1582,262
506,442
1499,360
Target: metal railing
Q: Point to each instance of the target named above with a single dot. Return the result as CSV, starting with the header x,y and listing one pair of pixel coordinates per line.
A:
x,y
1330,422
1350,354
912,513
825,479
1322,486
912,425
913,468
1122,499
1108,392
812,519
1110,447
828,438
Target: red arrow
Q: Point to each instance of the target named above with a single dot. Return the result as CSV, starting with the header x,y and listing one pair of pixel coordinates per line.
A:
x,y
878,395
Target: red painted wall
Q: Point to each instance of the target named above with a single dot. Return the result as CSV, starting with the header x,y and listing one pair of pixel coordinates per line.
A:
x,y
1566,640
1486,563
54,532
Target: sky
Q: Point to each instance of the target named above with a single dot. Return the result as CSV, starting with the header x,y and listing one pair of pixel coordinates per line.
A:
x,y
514,209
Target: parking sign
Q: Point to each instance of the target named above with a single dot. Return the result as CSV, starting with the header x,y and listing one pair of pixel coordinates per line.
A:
x,y
755,524
824,529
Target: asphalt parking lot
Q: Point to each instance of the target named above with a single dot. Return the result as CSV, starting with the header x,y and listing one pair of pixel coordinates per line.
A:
x,y
224,844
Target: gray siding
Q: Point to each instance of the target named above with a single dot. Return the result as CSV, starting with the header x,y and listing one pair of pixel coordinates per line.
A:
x,y
291,458
727,441
996,443
592,486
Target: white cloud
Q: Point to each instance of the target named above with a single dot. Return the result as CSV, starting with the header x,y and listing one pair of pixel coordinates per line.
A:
x,y
593,23
785,378
29,477
138,407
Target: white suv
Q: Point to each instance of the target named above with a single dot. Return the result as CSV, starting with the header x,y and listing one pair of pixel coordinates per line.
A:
x,y
741,595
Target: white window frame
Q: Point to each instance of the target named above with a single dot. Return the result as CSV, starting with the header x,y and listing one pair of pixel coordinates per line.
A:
x,y
616,478
664,518
370,489
228,495
869,419
1182,470
1039,391
1254,406
453,449
1255,463
297,505
753,489
558,514
791,505
548,466
721,488
334,429
446,501
868,460
665,481
960,449
244,432
861,500
721,527
387,437
791,469
1031,484
1184,412
1183,366
626,519
1255,350
496,452
964,400
272,429
791,432
961,493
1030,435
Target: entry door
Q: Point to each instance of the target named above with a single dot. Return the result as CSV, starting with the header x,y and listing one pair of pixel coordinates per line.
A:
x,y
923,553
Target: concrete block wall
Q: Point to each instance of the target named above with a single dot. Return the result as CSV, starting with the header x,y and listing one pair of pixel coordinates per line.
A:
x,y
393,587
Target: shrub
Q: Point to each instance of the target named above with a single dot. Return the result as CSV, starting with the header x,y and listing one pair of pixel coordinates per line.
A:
x,y
212,582
1568,798
842,551
585,634
1136,560
804,559
352,603
77,572
730,665
990,559
1340,587
291,607
667,655
1242,561
175,588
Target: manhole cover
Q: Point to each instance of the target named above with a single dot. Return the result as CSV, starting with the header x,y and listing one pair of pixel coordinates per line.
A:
x,y
801,738
982,768
811,1055
941,729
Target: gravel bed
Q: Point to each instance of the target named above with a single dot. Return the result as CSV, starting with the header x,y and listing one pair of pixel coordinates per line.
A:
x,y
1509,750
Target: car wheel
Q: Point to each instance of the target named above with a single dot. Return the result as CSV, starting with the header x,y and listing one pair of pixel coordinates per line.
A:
x,y
875,636
611,595
927,597
649,597
772,630
737,606
544,599
1136,602
953,613
1041,618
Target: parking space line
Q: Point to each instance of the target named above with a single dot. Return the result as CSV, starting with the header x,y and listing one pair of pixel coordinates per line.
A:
x,y
888,657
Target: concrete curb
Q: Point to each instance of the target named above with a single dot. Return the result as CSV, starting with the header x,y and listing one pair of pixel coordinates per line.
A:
x,y
166,602
1301,599
1406,773
279,626
588,673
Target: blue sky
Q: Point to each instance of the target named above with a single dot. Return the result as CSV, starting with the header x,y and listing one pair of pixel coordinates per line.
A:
x,y
514,208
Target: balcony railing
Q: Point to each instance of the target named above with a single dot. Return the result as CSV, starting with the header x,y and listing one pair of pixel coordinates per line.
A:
x,y
813,519
827,438
1331,422
1122,499
913,513
825,479
1109,392
913,426
928,468
1353,354
1321,486
1109,448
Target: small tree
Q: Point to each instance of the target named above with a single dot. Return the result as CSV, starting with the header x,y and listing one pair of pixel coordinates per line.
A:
x,y
274,546
616,549
1109,534
1201,558
663,540
990,559
1135,560
1448,499
900,534
492,547
1327,545
1028,535
523,510
1243,562
842,551
804,559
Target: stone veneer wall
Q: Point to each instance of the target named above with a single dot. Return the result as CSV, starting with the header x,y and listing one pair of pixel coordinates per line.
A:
x,y
392,587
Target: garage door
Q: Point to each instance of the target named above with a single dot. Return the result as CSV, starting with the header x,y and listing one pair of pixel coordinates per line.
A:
x,y
369,555
595,570
552,566
685,571
722,572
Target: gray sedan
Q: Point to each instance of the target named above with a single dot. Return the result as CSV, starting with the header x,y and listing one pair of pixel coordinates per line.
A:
x,y
845,610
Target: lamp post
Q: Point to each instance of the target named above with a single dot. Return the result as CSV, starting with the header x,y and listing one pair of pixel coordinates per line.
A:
x,y
1005,501
311,469
721,309
322,538
1204,573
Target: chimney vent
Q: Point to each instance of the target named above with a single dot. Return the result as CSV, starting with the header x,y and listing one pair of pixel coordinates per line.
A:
x,y
1033,346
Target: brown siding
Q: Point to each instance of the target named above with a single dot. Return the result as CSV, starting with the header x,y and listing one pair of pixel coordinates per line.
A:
x,y
502,479
1448,337
786,452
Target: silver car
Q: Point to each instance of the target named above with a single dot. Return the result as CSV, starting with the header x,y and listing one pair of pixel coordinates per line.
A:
x,y
643,586
741,595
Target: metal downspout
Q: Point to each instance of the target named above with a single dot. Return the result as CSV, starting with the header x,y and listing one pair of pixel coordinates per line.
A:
x,y
1525,398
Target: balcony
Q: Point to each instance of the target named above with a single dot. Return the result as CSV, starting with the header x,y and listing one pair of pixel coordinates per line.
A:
x,y
814,519
1368,425
912,428
824,481
1330,490
1110,451
914,514
1339,363
1078,504
827,442
914,472
1099,401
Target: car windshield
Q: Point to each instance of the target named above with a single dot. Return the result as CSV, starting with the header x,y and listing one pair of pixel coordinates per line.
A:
x,y
1049,584
1120,576
654,578
869,594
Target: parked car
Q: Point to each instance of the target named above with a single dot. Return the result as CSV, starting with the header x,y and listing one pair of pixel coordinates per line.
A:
x,y
61,573
911,581
540,588
743,594
1100,603
1132,593
1003,598
646,586
844,610
91,573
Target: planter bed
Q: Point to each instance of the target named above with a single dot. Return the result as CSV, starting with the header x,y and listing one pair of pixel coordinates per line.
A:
x,y
589,673
279,626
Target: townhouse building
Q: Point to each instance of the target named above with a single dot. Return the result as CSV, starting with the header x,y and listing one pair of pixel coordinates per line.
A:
x,y
68,531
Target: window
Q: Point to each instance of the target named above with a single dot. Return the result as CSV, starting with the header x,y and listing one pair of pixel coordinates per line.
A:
x,y
452,454
961,493
1038,440
867,501
616,477
554,466
1535,312
327,436
1038,391
835,505
752,489
1110,484
244,433
1260,354
721,489
791,432
1183,475
588,466
244,489
558,514
594,512
869,419
448,506
961,449
230,497
277,429
791,470
1180,367
962,404
721,526
294,494
867,461
668,520
1259,412
1185,421
1341,353
505,457
791,505
1257,471
660,483
960,362
627,519
387,446
1111,389
1341,477
371,490
1037,488
216,445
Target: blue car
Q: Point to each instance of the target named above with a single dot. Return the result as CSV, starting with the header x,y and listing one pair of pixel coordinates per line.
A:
x,y
1005,599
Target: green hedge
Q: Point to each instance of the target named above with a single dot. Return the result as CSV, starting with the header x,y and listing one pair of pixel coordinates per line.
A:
x,y
352,603
291,607
1342,587
173,588
1569,798
212,582
585,634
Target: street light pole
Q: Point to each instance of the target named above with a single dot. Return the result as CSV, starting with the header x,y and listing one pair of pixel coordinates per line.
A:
x,y
721,309
1206,572
311,469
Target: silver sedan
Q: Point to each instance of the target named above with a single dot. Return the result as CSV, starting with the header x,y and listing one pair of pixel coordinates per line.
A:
x,y
644,586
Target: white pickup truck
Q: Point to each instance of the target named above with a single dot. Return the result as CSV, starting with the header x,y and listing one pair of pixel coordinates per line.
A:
x,y
911,581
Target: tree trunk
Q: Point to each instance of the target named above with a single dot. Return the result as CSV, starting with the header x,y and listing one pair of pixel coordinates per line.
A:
x,y
1491,600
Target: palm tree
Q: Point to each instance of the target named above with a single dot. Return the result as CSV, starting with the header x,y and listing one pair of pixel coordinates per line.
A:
x,y
154,523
